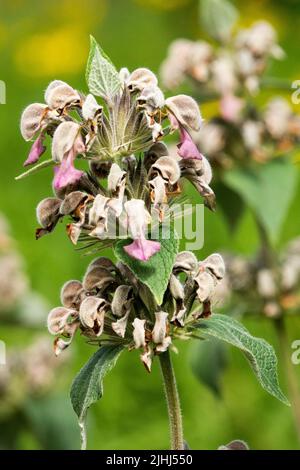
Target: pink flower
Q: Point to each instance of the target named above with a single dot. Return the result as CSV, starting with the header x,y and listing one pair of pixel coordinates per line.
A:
x,y
187,147
142,249
138,218
66,173
36,151
67,144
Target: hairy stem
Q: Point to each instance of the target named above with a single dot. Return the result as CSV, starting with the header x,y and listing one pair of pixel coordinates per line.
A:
x,y
289,369
174,411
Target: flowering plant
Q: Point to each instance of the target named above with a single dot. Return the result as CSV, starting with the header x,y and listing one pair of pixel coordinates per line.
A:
x,y
153,294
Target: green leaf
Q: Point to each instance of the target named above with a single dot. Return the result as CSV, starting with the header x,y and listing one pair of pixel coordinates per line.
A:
x,y
101,75
155,272
268,190
87,386
232,205
208,361
259,353
36,168
217,17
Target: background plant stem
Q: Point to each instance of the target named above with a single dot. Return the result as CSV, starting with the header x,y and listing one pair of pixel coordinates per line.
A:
x,y
270,258
289,369
172,397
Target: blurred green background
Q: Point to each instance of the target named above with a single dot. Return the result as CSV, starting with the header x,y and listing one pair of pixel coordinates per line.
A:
x,y
42,41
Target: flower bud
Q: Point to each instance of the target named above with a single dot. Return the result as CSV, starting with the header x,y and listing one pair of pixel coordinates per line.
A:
x,y
215,264
186,111
61,344
101,262
206,285
70,295
160,327
124,74
58,319
185,261
122,300
140,78
168,168
91,314
47,212
120,325
158,191
99,210
91,109
116,179
139,333
158,149
97,278
63,139
60,95
151,99
31,120
72,201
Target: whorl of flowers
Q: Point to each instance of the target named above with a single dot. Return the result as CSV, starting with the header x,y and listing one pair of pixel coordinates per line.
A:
x,y
225,70
122,142
272,290
231,74
110,305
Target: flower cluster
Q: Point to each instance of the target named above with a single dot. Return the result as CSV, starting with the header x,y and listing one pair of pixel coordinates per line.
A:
x,y
32,370
112,306
227,70
271,290
122,143
231,74
131,182
254,135
13,281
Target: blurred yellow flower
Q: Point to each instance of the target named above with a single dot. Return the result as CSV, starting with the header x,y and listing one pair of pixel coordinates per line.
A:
x,y
72,12
165,5
53,53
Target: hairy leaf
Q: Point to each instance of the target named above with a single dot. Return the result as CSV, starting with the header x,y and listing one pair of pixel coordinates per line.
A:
x,y
155,272
101,75
217,17
87,386
259,353
268,190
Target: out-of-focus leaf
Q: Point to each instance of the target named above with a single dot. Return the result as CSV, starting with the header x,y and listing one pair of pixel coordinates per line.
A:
x,y
87,387
155,273
208,361
268,190
101,75
53,422
217,17
259,353
231,204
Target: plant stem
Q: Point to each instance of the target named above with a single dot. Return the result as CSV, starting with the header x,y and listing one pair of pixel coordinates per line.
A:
x,y
291,379
269,259
174,411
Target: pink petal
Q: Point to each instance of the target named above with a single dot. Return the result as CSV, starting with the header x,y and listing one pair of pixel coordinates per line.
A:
x,y
230,107
66,173
36,151
187,147
142,249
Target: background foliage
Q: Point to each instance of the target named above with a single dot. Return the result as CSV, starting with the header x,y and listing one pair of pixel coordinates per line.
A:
x,y
41,41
